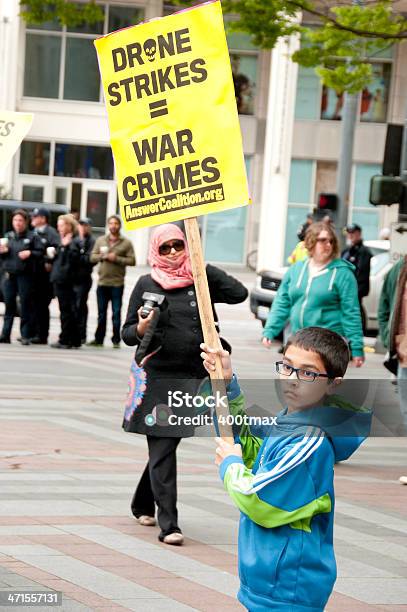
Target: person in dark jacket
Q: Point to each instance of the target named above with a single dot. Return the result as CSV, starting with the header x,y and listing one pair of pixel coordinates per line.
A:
x,y
83,284
63,276
171,363
19,249
358,255
43,290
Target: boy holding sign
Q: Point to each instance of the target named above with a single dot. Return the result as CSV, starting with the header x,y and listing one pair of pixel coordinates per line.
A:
x,y
283,484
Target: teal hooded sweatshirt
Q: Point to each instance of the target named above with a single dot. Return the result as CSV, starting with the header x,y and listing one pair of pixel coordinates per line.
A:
x,y
328,299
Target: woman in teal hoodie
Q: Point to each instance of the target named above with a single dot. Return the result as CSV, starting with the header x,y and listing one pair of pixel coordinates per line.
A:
x,y
319,291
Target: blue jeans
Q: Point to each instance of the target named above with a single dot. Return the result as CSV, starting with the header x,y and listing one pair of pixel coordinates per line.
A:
x,y
402,387
104,296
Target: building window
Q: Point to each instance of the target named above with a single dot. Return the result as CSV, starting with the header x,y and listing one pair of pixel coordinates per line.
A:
x,y
33,193
316,101
301,179
362,212
61,62
225,233
296,216
325,179
82,161
244,62
300,196
375,98
244,72
34,157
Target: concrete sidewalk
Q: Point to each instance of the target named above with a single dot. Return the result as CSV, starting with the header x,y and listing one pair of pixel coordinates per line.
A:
x,y
67,473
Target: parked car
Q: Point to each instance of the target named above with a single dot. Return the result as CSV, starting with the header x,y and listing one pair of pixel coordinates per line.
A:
x,y
268,282
6,210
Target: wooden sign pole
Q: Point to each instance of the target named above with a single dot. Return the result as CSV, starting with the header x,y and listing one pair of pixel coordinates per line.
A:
x,y
210,334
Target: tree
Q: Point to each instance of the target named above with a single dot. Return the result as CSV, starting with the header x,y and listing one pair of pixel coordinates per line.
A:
x,y
73,14
338,38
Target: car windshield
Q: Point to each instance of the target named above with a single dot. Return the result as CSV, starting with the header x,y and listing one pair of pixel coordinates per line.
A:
x,y
378,261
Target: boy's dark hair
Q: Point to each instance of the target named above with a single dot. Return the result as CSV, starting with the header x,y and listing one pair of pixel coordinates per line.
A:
x,y
330,346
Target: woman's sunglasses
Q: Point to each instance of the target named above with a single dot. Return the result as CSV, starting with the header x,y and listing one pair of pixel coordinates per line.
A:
x,y
177,245
325,240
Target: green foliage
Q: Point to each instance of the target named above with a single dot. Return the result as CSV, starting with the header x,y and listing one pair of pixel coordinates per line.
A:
x,y
349,32
72,14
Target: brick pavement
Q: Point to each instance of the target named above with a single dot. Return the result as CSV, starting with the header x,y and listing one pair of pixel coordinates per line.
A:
x,y
67,472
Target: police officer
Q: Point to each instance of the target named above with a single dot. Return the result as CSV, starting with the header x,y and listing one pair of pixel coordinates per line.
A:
x,y
19,250
359,255
43,290
83,283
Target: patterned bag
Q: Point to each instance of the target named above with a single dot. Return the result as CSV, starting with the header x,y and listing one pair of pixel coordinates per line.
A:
x,y
136,390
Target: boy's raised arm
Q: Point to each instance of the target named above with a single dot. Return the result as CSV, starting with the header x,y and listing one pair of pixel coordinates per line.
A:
x,y
284,491
250,444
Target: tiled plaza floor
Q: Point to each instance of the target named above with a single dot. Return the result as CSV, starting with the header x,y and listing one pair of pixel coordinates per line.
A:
x,y
67,473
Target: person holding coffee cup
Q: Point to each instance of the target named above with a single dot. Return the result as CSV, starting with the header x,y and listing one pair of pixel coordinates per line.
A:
x,y
43,290
19,252
113,253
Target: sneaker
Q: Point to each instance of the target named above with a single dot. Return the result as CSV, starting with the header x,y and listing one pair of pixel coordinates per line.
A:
x,y
94,343
58,345
5,340
146,521
174,539
116,344
403,480
25,341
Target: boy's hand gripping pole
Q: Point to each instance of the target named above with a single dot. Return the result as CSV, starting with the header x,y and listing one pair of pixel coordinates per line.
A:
x,y
210,333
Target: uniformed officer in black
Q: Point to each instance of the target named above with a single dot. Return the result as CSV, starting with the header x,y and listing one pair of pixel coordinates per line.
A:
x,y
83,284
358,255
19,250
43,290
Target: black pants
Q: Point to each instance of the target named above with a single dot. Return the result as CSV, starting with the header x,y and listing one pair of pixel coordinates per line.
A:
x,y
105,295
362,315
69,319
158,485
20,285
43,294
81,291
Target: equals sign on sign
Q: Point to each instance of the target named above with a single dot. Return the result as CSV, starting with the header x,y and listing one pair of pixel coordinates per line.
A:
x,y
158,108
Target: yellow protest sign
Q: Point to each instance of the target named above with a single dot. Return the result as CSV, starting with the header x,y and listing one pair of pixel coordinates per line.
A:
x,y
13,128
174,126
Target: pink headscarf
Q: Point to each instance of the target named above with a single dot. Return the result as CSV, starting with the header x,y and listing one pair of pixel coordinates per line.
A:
x,y
170,275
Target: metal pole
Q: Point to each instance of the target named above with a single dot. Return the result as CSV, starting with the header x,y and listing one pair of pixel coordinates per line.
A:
x,y
350,111
402,214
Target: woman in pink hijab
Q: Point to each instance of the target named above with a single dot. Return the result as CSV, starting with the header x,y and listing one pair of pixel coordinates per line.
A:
x,y
167,368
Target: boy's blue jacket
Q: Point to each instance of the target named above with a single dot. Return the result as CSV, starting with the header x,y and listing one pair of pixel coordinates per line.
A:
x,y
284,490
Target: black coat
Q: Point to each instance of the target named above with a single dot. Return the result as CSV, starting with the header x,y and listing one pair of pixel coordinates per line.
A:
x,y
85,266
360,257
47,236
177,364
66,264
26,241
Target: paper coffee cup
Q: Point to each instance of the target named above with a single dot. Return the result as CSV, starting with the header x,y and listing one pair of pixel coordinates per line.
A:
x,y
51,252
104,250
4,242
